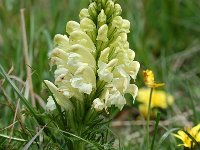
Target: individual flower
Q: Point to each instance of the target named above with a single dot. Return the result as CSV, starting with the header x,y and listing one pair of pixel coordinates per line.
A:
x,y
149,79
50,106
187,141
93,61
159,99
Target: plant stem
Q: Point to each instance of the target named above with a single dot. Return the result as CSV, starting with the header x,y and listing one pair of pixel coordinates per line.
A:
x,y
148,119
155,130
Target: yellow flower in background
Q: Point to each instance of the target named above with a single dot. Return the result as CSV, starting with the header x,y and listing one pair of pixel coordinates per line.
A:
x,y
143,109
149,79
187,141
148,76
159,99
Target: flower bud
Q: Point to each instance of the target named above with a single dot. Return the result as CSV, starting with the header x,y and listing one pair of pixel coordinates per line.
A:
x,y
117,22
87,25
72,26
99,6
123,36
92,9
117,10
84,14
102,33
97,1
125,26
112,63
103,2
62,41
131,54
101,18
104,55
59,53
109,8
78,36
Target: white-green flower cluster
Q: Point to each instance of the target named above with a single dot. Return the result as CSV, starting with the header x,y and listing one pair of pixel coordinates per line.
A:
x,y
94,60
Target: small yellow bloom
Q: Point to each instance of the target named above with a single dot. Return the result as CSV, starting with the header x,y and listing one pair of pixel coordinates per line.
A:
x,y
149,79
187,141
159,99
143,109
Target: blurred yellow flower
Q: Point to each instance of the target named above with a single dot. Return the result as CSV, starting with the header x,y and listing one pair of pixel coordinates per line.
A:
x,y
149,79
159,99
143,109
187,141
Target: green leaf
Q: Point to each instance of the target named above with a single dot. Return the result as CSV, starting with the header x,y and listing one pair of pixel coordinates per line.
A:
x,y
22,98
26,147
12,138
78,137
26,103
164,136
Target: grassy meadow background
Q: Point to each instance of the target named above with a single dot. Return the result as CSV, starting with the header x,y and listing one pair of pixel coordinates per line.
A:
x,y
165,35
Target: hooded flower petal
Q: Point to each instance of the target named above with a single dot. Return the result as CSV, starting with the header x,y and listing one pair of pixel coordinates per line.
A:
x,y
102,33
72,26
98,104
80,37
102,18
60,98
83,13
133,90
87,25
105,70
62,41
84,79
50,106
115,98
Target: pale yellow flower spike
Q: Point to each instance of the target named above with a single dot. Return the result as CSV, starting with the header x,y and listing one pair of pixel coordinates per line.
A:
x,y
187,141
149,79
94,50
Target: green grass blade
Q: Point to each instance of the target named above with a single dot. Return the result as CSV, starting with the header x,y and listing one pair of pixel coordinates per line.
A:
x,y
12,138
78,137
22,98
26,103
155,130
192,102
164,136
26,147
